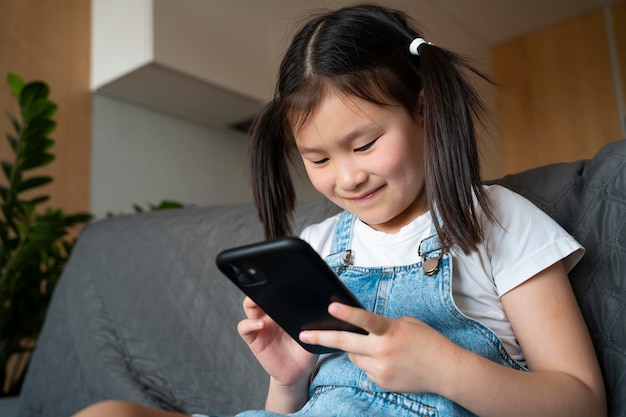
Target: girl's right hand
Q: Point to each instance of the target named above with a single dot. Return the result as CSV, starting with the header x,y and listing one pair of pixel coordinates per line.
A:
x,y
282,357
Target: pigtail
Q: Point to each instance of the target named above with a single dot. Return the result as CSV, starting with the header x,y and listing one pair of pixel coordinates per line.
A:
x,y
451,108
272,188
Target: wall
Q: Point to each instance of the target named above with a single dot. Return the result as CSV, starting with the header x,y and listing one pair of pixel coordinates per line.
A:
x,y
49,41
122,32
618,17
141,156
558,91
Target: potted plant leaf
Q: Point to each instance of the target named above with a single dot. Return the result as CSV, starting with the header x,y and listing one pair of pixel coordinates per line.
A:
x,y
35,242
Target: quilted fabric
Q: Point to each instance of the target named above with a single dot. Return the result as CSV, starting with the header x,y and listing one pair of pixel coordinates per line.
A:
x,y
142,313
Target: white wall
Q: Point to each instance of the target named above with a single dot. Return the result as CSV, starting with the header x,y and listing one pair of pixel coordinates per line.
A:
x,y
121,38
140,156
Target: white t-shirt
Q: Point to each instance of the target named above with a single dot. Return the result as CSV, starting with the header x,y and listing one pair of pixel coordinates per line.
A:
x,y
525,242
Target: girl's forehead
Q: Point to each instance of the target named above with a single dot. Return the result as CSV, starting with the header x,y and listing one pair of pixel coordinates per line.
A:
x,y
333,105
331,102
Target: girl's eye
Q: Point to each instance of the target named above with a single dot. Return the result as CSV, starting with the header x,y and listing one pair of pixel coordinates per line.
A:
x,y
320,162
366,147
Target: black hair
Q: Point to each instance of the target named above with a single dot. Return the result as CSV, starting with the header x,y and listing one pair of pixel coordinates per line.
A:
x,y
363,51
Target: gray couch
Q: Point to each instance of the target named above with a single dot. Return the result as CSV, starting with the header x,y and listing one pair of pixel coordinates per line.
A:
x,y
142,314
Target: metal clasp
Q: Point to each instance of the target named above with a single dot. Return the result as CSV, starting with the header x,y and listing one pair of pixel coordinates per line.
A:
x,y
430,266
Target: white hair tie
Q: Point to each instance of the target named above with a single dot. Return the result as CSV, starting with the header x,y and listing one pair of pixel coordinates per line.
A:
x,y
415,44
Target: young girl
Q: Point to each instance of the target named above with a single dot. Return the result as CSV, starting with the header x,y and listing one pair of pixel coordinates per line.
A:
x,y
468,305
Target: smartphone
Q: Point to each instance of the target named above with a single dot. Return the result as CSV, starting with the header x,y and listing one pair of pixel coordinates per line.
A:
x,y
291,283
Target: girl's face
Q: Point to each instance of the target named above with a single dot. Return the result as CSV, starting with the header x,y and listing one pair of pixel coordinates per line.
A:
x,y
367,159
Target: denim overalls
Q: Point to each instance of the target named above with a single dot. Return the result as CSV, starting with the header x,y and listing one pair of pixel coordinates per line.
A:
x,y
339,388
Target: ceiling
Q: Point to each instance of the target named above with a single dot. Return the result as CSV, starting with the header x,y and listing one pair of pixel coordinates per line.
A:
x,y
186,80
495,21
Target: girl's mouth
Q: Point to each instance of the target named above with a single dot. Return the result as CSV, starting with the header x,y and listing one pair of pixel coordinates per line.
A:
x,y
366,197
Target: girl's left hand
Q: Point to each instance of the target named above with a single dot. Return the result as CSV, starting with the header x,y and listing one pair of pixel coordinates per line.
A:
x,y
398,355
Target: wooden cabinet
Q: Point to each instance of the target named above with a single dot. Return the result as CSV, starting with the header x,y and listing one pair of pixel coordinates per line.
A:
x,y
558,94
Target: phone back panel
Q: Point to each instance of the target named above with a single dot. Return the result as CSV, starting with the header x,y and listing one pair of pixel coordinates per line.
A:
x,y
291,283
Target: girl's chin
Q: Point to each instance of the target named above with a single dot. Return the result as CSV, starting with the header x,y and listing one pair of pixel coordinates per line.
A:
x,y
387,224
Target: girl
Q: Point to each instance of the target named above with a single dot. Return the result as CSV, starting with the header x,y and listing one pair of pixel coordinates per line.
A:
x,y
468,306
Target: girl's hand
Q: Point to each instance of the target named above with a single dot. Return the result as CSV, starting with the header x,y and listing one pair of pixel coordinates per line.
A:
x,y
283,359
401,355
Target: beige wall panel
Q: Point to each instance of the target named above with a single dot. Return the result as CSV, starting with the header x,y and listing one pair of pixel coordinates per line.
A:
x,y
556,99
49,40
618,12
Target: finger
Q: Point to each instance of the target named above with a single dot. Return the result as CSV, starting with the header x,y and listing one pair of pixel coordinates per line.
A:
x,y
366,320
252,310
248,303
248,327
346,341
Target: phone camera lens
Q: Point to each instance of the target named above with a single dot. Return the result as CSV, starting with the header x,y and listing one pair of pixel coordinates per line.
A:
x,y
246,274
234,269
243,279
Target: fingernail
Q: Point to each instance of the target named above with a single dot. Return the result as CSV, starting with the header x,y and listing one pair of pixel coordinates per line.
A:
x,y
304,336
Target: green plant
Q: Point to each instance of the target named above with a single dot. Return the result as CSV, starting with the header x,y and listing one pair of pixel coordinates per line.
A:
x,y
35,242
163,205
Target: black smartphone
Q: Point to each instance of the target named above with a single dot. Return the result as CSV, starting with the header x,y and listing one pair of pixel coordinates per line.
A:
x,y
291,283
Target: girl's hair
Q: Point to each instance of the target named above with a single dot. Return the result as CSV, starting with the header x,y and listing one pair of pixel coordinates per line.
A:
x,y
364,51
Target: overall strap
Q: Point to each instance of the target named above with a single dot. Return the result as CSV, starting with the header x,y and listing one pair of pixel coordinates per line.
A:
x,y
432,243
342,238
340,249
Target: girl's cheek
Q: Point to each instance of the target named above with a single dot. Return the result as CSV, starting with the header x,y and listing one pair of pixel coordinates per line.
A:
x,y
320,186
318,179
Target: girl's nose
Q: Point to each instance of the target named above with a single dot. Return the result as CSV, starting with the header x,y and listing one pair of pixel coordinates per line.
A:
x,y
349,176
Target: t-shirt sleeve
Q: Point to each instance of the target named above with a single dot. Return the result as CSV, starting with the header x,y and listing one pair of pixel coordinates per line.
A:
x,y
525,240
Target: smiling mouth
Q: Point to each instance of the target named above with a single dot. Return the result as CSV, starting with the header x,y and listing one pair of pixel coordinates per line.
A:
x,y
367,196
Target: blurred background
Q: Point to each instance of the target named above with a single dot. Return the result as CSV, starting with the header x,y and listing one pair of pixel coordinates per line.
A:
x,y
154,96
